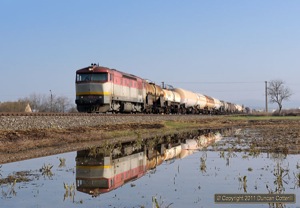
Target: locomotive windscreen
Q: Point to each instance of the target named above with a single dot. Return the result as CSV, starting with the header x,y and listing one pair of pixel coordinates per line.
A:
x,y
95,183
94,77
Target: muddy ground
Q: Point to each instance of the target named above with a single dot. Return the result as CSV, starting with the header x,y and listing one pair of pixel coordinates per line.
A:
x,y
276,135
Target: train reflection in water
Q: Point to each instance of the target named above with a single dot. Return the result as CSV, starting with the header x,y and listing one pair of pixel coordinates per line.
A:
x,y
103,169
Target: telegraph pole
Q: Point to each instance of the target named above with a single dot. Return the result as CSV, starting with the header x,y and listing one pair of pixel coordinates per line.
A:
x,y
266,94
51,100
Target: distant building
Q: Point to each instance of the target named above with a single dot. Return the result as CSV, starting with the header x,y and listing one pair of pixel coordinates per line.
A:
x,y
28,108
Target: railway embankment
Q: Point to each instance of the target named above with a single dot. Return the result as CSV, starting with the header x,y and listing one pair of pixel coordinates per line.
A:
x,y
12,123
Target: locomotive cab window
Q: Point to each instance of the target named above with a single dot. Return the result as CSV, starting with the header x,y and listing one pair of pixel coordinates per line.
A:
x,y
95,77
98,183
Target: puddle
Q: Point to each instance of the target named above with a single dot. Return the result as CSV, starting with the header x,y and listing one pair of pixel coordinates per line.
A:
x,y
161,173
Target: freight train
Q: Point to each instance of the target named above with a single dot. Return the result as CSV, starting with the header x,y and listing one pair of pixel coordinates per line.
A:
x,y
100,89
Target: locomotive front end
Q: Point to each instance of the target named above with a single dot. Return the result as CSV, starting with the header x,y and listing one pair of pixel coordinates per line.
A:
x,y
93,89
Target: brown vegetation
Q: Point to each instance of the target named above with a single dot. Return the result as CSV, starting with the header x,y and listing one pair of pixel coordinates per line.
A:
x,y
39,103
287,112
19,106
280,135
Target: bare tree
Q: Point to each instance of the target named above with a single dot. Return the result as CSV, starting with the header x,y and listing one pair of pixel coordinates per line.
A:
x,y
278,92
46,103
61,104
40,103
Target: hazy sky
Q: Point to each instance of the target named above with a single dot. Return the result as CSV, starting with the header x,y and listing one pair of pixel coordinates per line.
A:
x,y
222,48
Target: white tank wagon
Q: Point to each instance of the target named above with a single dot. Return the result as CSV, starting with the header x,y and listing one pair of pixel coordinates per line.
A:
x,y
171,96
225,107
201,102
231,107
188,100
239,108
218,106
172,101
186,152
189,144
210,104
208,139
172,152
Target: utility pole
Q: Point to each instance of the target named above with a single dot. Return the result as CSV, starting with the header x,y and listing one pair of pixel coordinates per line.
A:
x,y
51,98
266,94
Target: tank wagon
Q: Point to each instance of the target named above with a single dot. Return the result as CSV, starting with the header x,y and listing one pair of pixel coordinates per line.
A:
x,y
100,89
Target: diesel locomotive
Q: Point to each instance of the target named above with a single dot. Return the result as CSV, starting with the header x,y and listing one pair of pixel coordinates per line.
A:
x,y
100,89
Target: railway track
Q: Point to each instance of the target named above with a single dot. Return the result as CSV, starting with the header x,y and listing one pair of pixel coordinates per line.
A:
x,y
65,114
90,114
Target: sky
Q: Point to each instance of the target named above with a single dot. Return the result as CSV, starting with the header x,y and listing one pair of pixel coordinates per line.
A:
x,y
223,48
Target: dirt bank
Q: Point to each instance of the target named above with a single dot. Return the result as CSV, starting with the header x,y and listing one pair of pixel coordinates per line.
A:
x,y
18,144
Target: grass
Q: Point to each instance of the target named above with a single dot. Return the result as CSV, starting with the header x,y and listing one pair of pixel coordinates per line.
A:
x,y
267,117
121,133
179,125
169,126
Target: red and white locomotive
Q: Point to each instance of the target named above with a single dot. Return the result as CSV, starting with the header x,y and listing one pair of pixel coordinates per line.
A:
x,y
101,89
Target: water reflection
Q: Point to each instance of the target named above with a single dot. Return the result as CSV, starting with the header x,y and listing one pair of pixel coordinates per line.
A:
x,y
46,171
103,173
100,171
174,172
69,192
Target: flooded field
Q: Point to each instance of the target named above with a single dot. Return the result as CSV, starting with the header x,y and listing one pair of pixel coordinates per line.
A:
x,y
158,173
